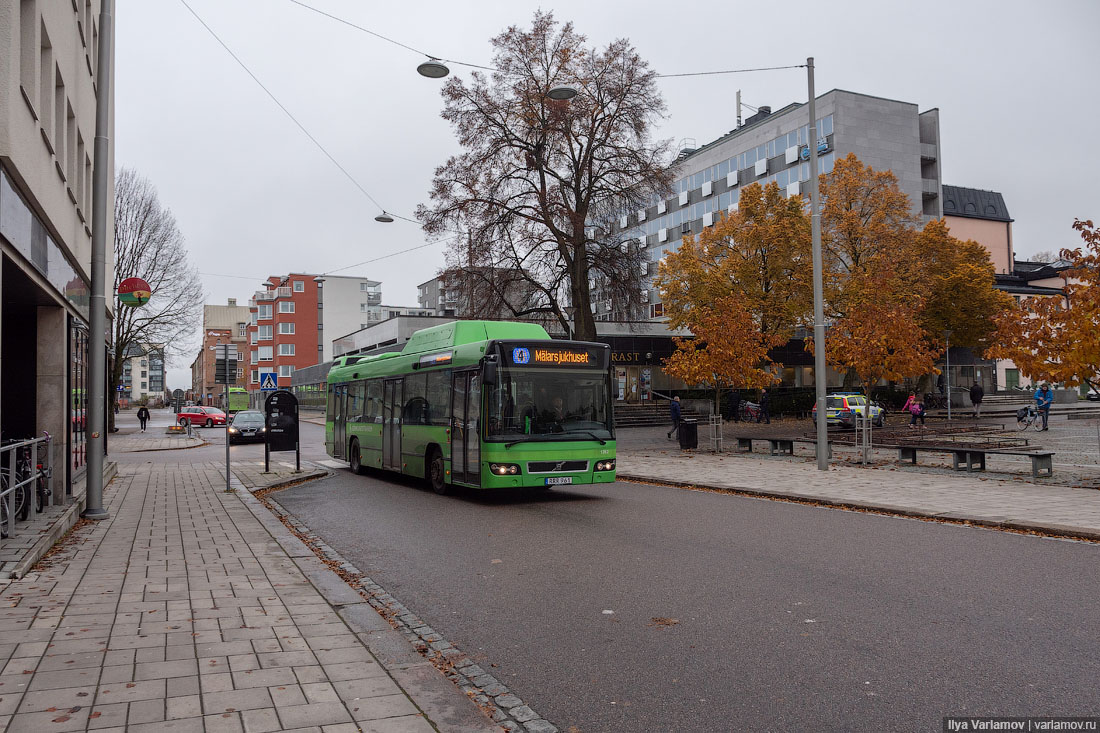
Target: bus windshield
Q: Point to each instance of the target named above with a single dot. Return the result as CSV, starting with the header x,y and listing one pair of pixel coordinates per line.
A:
x,y
548,404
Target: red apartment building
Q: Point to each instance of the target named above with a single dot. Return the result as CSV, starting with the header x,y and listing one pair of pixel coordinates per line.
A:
x,y
285,332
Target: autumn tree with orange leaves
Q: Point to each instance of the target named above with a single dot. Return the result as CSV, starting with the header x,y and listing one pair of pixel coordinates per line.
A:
x,y
1058,339
742,288
728,349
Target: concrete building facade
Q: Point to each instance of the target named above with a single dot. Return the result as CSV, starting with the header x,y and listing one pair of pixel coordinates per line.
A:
x,y
48,101
775,147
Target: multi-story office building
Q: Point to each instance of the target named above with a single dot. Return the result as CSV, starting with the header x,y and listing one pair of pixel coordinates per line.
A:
x,y
485,294
143,374
221,325
48,60
775,147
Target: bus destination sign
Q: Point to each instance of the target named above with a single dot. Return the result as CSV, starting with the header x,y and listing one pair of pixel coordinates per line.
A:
x,y
554,356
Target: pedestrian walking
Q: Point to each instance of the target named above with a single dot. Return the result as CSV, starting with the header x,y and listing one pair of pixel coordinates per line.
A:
x,y
735,403
143,416
915,409
674,413
1043,398
764,414
976,396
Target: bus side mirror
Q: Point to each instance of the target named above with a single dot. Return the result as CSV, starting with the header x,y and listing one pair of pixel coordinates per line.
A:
x,y
489,373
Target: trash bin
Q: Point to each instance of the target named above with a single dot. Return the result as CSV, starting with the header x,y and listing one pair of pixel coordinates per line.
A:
x,y
689,434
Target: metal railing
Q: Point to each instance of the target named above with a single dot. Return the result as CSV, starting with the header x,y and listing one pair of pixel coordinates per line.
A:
x,y
26,470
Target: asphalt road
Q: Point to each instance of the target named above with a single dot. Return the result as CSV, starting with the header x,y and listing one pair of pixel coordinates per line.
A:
x,y
787,617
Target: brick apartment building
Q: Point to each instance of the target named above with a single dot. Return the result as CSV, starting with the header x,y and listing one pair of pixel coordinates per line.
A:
x,y
222,324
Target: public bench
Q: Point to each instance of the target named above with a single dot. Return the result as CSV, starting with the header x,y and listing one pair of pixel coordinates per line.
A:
x,y
973,459
778,446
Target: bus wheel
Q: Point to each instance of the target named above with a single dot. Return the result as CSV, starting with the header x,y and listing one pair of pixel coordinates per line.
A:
x,y
437,472
355,458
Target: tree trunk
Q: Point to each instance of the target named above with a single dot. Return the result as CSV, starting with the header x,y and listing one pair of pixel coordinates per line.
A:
x,y
584,323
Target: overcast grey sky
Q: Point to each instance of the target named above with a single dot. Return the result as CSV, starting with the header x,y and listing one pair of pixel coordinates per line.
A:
x,y
1015,83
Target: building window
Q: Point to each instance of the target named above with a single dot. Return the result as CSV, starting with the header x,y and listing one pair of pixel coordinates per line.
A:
x,y
255,357
299,286
657,310
45,85
265,353
362,307
286,349
240,373
253,319
286,306
265,333
286,328
265,311
144,373
28,21
254,376
143,385
285,370
242,329
144,362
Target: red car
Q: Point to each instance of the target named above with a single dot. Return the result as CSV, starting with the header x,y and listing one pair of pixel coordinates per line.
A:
x,y
205,416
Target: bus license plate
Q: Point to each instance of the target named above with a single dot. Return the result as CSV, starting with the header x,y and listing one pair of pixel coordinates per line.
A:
x,y
559,480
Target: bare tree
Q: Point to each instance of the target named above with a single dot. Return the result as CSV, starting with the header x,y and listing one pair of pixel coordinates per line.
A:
x,y
1046,256
149,245
541,183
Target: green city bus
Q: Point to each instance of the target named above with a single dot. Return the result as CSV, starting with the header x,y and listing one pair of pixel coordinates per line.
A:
x,y
238,399
481,404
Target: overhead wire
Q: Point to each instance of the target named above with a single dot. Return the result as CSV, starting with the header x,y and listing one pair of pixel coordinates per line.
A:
x,y
289,114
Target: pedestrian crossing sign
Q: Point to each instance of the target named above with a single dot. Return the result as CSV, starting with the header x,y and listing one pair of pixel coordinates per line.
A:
x,y
267,381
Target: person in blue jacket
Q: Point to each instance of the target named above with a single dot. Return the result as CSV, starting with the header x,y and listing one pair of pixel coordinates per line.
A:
x,y
1043,398
674,412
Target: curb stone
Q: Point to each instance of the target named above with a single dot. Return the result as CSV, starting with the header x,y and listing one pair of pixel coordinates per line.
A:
x,y
491,695
951,517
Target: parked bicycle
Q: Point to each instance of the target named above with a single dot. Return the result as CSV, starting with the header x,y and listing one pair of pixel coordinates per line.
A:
x,y
25,469
933,401
748,412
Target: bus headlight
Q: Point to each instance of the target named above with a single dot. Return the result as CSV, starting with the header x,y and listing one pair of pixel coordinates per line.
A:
x,y
504,469
605,465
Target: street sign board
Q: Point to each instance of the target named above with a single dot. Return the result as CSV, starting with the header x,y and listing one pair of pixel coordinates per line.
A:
x,y
268,381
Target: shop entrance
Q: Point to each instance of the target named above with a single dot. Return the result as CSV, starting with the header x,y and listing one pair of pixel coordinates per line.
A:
x,y
633,383
19,345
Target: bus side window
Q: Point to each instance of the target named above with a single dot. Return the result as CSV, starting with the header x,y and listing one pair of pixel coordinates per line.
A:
x,y
373,411
355,402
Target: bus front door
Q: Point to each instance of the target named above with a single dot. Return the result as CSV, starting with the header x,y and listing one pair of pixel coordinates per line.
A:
x,y
465,421
391,424
339,421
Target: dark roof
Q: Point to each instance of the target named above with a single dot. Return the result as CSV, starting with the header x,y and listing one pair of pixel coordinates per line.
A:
x,y
974,203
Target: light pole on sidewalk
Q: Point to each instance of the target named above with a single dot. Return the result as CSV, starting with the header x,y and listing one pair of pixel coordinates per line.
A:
x,y
819,296
97,338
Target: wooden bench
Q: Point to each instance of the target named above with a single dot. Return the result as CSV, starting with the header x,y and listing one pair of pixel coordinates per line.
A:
x,y
973,459
778,446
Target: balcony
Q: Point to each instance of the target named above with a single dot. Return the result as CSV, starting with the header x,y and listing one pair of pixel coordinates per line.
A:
x,y
928,152
283,293
263,295
929,188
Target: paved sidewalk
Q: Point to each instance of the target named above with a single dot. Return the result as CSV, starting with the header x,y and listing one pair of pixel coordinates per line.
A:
x,y
154,439
1003,503
185,612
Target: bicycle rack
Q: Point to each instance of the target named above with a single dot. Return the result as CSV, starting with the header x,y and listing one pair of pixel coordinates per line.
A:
x,y
14,451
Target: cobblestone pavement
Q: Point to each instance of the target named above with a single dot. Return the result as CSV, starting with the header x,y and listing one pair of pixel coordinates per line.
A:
x,y
184,612
946,494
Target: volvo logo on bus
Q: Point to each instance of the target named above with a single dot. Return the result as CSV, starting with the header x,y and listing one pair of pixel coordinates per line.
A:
x,y
520,355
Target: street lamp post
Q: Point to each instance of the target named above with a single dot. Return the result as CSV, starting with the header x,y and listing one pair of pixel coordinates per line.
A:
x,y
97,338
819,296
947,369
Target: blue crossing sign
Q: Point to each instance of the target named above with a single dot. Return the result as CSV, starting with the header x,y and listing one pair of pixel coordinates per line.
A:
x,y
267,381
